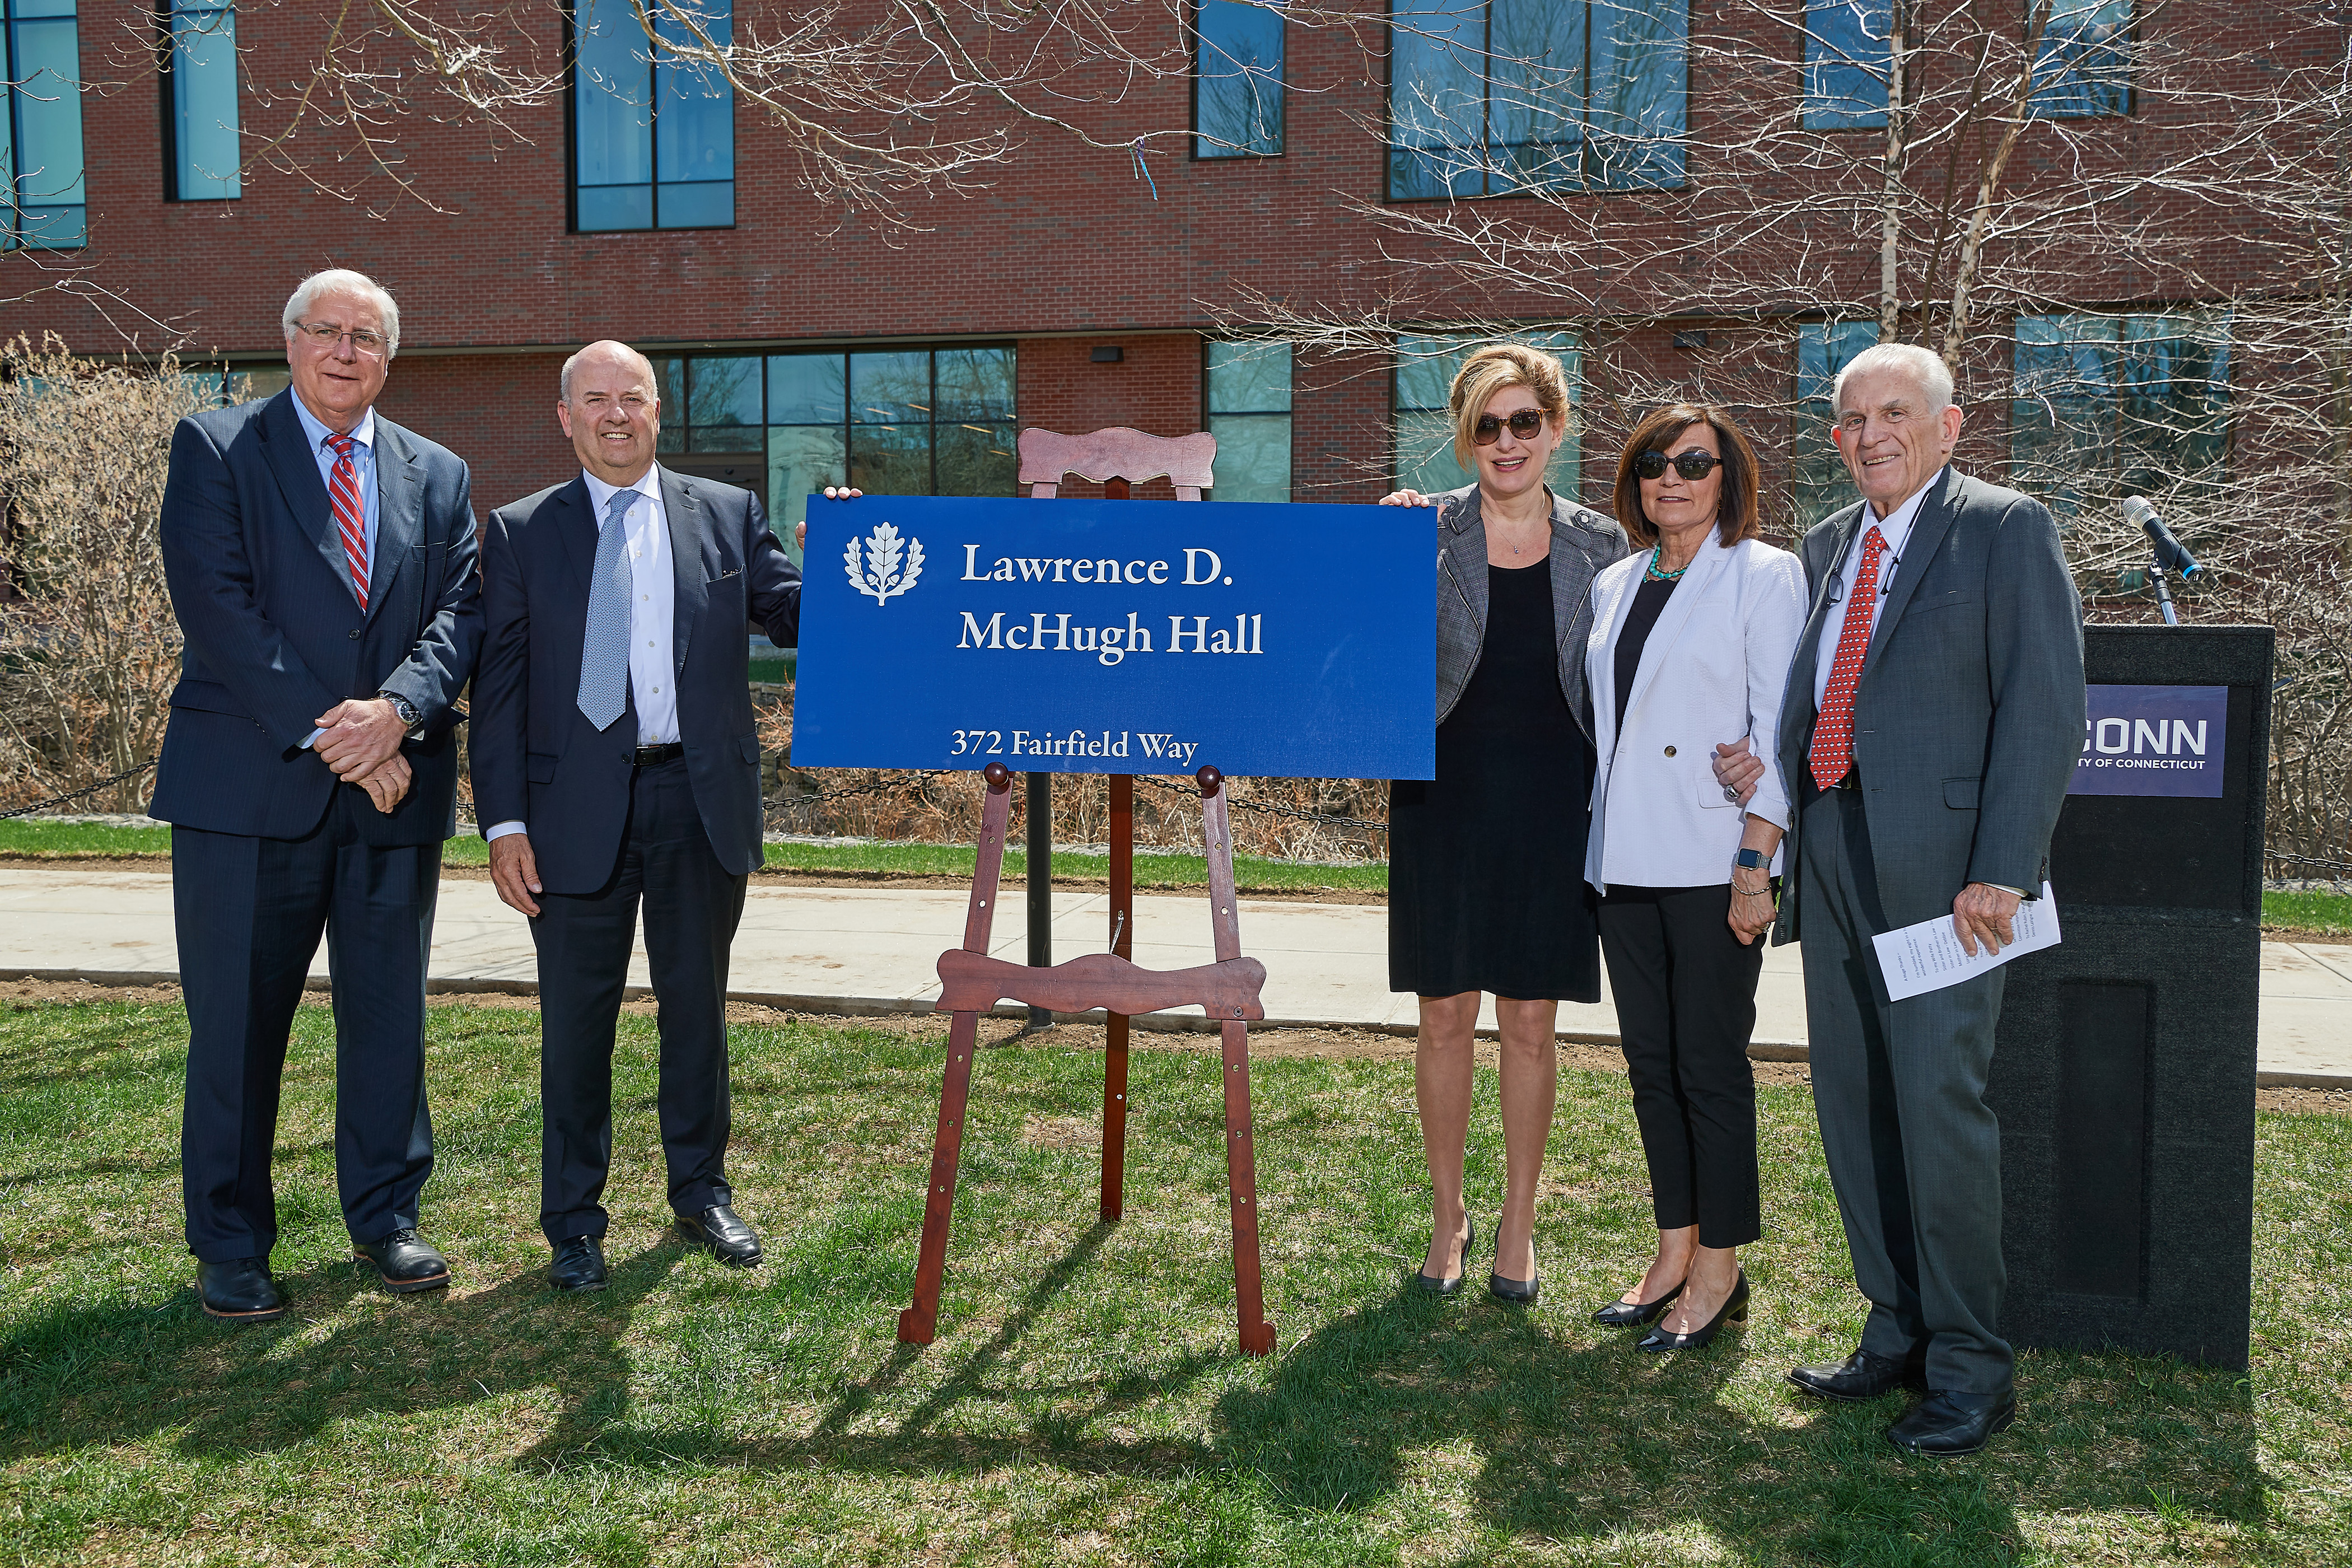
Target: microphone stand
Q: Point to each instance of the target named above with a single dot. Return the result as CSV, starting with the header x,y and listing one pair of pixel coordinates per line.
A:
x,y
2163,594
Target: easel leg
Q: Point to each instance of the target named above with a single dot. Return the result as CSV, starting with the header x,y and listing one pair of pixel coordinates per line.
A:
x,y
1122,943
1240,1179
919,1323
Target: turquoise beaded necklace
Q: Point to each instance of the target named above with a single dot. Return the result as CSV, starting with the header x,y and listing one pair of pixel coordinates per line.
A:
x,y
1653,574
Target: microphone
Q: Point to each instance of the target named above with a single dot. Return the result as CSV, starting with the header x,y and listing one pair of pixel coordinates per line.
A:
x,y
2171,555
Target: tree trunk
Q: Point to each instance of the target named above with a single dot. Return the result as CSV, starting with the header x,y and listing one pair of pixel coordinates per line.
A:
x,y
1956,329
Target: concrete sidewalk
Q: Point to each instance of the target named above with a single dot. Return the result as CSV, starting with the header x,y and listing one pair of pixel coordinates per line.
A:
x,y
865,949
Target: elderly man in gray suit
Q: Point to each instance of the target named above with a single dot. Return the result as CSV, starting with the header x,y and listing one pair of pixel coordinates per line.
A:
x,y
1931,722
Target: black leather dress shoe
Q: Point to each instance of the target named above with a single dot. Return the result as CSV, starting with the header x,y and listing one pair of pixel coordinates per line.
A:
x,y
1861,1376
238,1291
1634,1314
726,1237
1734,1310
404,1261
579,1265
1947,1423
1437,1286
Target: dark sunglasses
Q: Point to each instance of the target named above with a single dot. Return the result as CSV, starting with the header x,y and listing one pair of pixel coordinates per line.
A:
x,y
1524,425
1692,466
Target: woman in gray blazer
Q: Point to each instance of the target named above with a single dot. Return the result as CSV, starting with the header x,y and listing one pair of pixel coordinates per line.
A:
x,y
1486,892
1690,642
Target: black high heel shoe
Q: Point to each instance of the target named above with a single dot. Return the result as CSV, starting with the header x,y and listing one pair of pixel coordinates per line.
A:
x,y
1436,1286
1517,1292
1634,1314
1734,1310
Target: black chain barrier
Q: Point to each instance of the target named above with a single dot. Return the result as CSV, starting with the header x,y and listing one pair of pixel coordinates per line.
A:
x,y
2337,869
77,794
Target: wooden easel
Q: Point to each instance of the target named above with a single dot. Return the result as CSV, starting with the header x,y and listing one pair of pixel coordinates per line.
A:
x,y
972,983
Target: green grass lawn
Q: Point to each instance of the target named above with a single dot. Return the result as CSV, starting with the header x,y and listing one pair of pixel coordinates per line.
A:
x,y
1083,1403
73,839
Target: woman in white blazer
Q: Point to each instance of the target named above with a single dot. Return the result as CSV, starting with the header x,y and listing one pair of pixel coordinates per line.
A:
x,y
1691,641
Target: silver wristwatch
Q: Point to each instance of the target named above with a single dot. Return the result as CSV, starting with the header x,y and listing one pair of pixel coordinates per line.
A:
x,y
410,719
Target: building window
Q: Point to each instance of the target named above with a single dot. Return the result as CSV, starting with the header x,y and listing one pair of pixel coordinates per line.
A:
x,y
2083,68
222,384
1848,54
1237,81
2106,406
1819,484
200,154
653,135
1246,388
40,136
893,421
1424,431
1492,99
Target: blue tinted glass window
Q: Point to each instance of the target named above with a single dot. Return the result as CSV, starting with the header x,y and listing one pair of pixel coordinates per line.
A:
x,y
201,79
1819,483
653,133
1237,81
2084,66
1488,97
1248,396
2106,406
1848,56
40,134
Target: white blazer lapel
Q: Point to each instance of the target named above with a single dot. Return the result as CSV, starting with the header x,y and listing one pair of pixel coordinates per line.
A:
x,y
1676,618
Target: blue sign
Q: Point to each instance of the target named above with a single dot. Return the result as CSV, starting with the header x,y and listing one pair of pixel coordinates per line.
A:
x,y
1118,638
2153,740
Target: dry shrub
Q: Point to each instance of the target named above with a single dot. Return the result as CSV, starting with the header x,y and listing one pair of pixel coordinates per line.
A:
x,y
877,802
88,648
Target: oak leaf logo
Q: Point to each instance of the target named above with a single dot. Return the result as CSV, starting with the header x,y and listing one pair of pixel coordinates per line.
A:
x,y
882,565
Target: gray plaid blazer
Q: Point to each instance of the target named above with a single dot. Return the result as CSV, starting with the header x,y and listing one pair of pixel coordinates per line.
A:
x,y
1582,543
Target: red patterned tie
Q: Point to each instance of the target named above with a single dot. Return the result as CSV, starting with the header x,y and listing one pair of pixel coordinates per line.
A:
x,y
1833,754
351,516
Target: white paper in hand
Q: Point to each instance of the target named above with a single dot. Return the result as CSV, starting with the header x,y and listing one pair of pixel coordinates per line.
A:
x,y
1928,956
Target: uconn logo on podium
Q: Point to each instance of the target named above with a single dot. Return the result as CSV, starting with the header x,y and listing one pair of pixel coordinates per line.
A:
x,y
2153,740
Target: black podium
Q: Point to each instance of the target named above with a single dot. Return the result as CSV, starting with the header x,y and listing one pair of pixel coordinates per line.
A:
x,y
2124,1073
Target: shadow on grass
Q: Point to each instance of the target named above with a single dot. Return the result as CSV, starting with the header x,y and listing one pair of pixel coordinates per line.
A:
x,y
123,1372
1586,1443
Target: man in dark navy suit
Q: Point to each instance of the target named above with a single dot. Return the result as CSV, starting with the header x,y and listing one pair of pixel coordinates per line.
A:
x,y
617,764
321,565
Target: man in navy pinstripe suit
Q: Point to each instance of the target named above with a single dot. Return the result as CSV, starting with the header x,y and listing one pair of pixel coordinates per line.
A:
x,y
320,561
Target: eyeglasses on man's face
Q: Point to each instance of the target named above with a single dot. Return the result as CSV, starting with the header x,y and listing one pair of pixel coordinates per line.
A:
x,y
324,336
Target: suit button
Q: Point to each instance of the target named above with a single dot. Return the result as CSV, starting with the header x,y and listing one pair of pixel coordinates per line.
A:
x,y
355,636
1670,751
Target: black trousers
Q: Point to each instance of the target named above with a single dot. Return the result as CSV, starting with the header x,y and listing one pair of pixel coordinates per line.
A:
x,y
248,913
1685,994
692,905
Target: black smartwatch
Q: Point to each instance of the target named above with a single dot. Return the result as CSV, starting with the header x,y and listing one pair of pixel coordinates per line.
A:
x,y
1752,860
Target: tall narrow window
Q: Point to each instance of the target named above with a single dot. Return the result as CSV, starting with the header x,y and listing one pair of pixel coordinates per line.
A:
x,y
2106,406
200,144
1424,429
1487,98
1237,81
653,133
1848,55
2083,67
40,136
1248,396
1819,483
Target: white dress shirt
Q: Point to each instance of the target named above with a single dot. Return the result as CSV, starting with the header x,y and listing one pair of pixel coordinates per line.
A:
x,y
363,467
653,606
1896,529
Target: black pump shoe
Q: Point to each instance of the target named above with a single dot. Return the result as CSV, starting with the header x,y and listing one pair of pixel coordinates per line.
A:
x,y
1734,1310
1437,1286
1634,1314
1517,1292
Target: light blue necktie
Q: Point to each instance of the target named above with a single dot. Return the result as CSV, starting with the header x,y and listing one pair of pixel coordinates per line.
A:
x,y
604,652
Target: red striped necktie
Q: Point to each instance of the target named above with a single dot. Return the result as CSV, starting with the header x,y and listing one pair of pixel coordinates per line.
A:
x,y
351,515
1833,754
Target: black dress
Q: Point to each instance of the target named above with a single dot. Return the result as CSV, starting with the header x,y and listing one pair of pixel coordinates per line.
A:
x,y
1486,889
